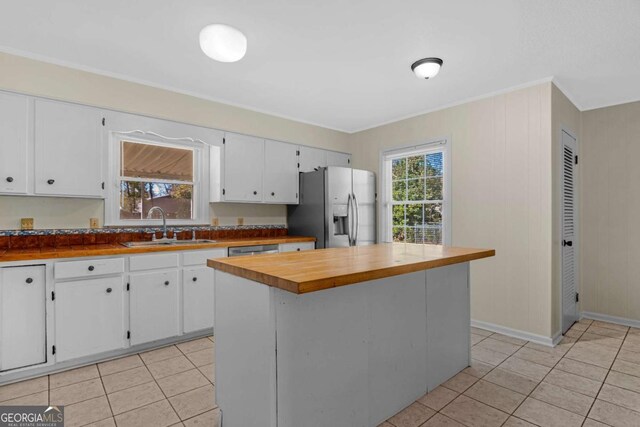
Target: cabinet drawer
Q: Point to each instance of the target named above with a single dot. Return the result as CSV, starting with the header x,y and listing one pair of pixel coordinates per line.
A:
x,y
152,262
293,247
88,268
201,257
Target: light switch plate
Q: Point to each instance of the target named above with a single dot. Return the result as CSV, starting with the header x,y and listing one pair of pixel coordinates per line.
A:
x,y
26,223
240,220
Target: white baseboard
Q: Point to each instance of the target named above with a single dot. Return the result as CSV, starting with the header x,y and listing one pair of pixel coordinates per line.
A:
x,y
611,319
515,333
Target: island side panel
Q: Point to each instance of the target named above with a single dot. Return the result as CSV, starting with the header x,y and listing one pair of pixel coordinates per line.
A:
x,y
245,352
448,322
351,356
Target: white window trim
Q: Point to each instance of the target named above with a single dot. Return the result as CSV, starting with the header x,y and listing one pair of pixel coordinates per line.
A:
x,y
439,144
200,178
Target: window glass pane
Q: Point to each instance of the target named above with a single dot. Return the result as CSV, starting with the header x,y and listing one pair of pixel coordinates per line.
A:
x,y
434,164
399,190
415,166
433,188
398,169
416,189
174,199
141,160
414,214
130,200
398,215
433,223
398,234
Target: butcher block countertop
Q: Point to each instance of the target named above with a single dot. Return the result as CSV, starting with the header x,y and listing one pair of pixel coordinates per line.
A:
x,y
7,255
310,271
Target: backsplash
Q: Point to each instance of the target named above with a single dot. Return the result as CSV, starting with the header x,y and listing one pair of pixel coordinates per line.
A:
x,y
55,238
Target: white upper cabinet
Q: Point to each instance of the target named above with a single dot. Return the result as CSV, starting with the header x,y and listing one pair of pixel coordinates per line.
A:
x,y
14,127
243,165
68,154
280,172
312,158
335,158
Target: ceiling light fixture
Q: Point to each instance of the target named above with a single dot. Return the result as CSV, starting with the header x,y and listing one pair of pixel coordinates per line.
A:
x,y
223,43
426,68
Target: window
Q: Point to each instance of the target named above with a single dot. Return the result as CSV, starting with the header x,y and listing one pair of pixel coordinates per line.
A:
x,y
155,175
155,171
416,203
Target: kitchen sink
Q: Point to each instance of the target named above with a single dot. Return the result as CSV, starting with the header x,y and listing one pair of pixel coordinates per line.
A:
x,y
167,243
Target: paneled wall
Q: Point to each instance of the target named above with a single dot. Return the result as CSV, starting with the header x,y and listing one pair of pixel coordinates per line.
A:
x,y
42,79
502,197
610,211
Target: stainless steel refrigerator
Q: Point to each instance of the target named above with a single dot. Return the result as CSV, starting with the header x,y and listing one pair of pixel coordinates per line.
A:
x,y
337,206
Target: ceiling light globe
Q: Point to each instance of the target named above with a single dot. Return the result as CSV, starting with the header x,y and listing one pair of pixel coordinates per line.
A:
x,y
427,68
223,43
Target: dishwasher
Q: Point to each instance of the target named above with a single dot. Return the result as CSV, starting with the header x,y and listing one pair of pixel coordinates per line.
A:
x,y
253,250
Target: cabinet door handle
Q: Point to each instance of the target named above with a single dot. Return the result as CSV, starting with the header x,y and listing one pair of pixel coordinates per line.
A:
x,y
255,192
166,283
109,290
91,268
51,181
9,179
195,279
29,280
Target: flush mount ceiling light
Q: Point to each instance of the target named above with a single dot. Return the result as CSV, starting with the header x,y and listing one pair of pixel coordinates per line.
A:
x,y
223,43
426,68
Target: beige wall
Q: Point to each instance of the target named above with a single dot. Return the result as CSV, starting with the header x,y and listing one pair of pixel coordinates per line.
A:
x,y
610,211
564,115
502,197
31,77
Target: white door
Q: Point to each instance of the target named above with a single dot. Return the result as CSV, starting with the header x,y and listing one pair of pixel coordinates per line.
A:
x,y
280,172
569,232
22,317
243,166
198,298
90,317
338,159
312,158
14,119
67,150
153,306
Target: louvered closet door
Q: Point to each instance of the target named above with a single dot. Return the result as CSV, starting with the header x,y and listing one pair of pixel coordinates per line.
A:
x,y
569,231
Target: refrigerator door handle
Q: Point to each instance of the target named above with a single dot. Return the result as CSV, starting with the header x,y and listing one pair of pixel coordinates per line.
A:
x,y
356,220
349,220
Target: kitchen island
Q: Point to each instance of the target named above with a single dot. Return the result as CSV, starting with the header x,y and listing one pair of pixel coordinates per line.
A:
x,y
338,337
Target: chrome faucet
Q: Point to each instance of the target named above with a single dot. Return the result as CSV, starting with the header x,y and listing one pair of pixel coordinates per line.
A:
x,y
164,222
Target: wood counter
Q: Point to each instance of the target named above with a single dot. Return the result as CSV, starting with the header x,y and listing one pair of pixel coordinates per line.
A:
x,y
309,271
118,249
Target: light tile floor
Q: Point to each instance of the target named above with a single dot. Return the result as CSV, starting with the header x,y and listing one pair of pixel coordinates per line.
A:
x,y
171,386
592,378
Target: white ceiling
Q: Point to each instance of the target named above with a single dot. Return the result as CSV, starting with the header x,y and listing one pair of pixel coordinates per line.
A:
x,y
343,64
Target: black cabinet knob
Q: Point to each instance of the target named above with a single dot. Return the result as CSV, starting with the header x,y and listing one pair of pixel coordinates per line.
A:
x,y
9,179
91,268
109,290
273,194
29,280
255,192
166,283
298,249
51,181
195,279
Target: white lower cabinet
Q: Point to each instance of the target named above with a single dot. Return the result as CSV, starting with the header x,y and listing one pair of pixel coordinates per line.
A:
x,y
154,302
297,247
89,317
22,317
197,292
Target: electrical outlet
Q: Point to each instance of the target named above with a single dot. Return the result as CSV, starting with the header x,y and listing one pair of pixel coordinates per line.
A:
x,y
94,223
215,221
26,223
240,220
